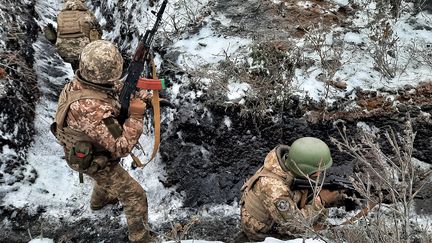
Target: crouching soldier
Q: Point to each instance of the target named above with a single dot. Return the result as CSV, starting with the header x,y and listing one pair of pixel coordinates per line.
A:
x,y
76,27
93,140
270,207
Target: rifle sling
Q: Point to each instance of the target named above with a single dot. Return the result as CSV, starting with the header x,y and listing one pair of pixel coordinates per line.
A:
x,y
156,115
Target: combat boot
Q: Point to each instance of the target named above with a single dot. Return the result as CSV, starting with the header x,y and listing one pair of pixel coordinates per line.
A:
x,y
154,237
139,237
151,238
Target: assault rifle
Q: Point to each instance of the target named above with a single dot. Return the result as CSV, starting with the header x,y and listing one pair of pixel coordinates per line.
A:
x,y
332,183
141,59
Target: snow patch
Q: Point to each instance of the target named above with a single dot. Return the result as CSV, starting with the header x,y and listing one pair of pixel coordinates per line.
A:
x,y
41,240
47,10
207,47
227,122
267,240
366,128
237,90
354,38
341,2
223,20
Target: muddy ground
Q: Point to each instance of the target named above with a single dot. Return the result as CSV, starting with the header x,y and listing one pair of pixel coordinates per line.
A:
x,y
210,161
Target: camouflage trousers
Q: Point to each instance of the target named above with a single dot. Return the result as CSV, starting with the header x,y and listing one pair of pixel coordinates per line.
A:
x,y
115,182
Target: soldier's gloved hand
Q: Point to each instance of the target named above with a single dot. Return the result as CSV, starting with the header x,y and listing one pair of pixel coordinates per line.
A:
x,y
137,108
317,203
144,95
328,197
50,33
314,212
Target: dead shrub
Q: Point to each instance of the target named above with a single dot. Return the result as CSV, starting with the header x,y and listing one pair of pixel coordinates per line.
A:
x,y
330,47
394,179
270,76
384,50
179,231
268,70
188,17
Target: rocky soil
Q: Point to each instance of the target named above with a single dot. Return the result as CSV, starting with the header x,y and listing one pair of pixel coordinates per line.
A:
x,y
18,91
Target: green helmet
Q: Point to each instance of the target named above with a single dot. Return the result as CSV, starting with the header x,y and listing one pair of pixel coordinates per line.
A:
x,y
308,155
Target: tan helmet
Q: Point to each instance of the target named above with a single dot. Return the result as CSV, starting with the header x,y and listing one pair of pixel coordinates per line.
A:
x,y
75,5
101,62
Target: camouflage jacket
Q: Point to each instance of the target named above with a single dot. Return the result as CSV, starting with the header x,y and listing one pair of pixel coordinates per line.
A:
x,y
87,115
282,205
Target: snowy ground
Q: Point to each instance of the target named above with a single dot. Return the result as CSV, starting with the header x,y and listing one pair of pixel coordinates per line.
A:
x,y
57,187
267,240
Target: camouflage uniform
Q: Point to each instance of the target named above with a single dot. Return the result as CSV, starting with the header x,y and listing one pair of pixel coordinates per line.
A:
x,y
269,206
112,182
76,27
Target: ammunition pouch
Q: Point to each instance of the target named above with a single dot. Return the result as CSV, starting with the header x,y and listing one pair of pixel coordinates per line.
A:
x,y
81,154
69,24
113,127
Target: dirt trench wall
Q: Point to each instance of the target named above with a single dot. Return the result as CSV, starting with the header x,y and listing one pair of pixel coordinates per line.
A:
x,y
18,89
210,161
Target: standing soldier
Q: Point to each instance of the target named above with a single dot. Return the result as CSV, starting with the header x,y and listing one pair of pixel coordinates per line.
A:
x,y
76,27
93,140
270,207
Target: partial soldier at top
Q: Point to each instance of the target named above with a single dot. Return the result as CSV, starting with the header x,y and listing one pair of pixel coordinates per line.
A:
x,y
76,27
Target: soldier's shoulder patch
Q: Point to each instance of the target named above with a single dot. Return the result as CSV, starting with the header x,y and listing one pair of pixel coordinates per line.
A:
x,y
282,204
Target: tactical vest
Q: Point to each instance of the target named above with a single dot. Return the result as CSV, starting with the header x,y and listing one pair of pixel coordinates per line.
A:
x,y
252,202
71,25
66,135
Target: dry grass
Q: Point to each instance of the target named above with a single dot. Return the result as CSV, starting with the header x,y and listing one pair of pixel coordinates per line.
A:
x,y
391,177
180,232
267,68
389,182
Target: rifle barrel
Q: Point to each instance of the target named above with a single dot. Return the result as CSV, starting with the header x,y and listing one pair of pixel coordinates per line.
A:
x,y
300,184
